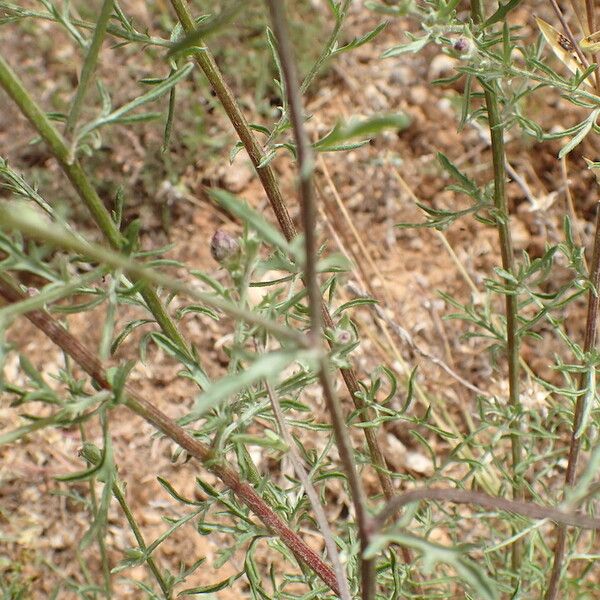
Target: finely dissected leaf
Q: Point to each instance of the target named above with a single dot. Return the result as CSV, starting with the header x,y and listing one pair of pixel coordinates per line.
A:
x,y
433,554
562,47
175,494
212,587
121,114
126,331
353,304
197,309
362,128
267,366
588,401
194,371
503,10
361,40
206,28
466,185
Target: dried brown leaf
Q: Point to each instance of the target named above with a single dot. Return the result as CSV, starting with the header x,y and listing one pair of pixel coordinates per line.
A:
x,y
562,47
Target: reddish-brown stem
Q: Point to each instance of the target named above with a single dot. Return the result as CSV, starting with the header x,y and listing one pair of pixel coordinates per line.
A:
x,y
268,180
135,402
526,509
305,168
591,327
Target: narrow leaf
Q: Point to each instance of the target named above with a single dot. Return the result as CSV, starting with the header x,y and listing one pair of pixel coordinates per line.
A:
x,y
267,366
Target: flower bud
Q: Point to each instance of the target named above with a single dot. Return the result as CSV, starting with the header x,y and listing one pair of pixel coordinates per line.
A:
x,y
223,246
462,45
343,336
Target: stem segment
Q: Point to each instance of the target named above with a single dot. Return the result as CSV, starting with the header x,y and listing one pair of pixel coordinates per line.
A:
x,y
305,164
591,328
508,264
139,405
268,180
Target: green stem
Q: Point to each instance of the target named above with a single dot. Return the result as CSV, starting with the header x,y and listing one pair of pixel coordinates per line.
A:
x,y
591,328
268,180
89,65
305,167
511,301
73,170
120,496
508,264
100,533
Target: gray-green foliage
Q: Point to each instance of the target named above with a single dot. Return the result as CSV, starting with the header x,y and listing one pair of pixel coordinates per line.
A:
x,y
233,413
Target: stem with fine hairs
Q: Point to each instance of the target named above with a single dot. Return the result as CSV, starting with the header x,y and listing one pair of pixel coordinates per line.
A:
x,y
591,330
305,163
508,264
139,405
268,179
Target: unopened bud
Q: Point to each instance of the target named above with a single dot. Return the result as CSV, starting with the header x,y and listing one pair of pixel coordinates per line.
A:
x,y
462,45
223,246
343,337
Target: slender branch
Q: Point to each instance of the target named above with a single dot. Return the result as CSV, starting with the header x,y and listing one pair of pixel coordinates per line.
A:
x,y
60,238
305,162
137,532
311,493
86,191
93,456
101,540
268,180
591,329
526,509
325,54
139,405
89,65
508,264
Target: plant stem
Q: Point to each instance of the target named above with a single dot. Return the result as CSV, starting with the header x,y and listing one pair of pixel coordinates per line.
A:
x,y
311,493
142,407
99,533
530,510
591,328
120,496
73,170
508,264
326,52
89,65
305,165
269,182
60,238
